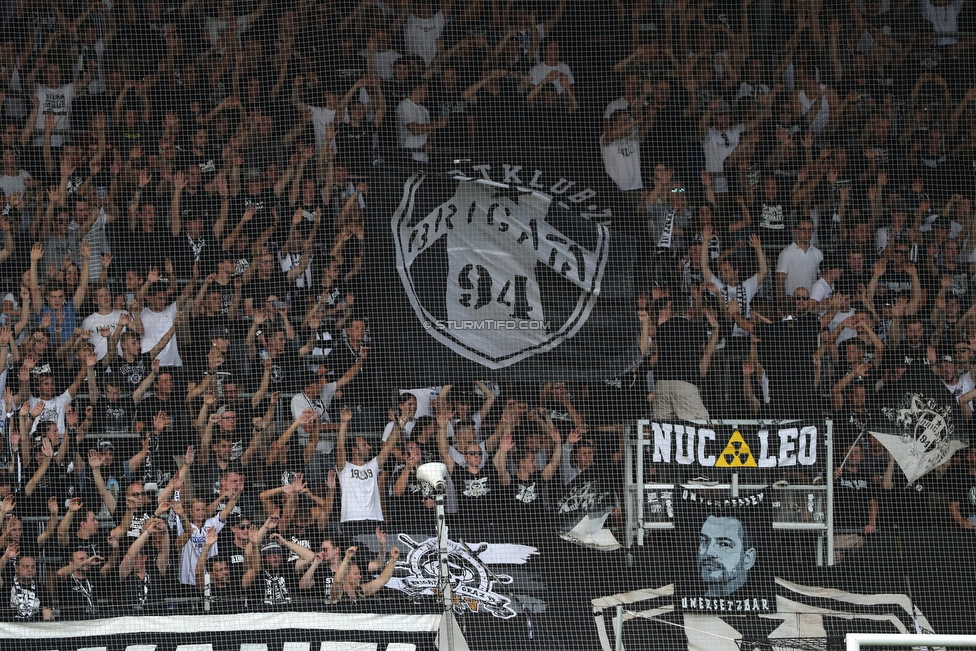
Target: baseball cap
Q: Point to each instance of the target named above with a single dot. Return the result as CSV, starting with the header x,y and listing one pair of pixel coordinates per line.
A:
x,y
220,332
105,446
271,548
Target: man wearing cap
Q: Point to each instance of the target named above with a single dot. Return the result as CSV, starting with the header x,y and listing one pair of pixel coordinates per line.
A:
x,y
272,581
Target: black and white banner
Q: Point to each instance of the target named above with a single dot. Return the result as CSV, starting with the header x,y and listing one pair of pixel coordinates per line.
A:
x,y
512,275
255,632
802,614
920,433
799,445
723,561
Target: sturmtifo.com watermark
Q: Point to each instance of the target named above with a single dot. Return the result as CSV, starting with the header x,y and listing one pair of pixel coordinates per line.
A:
x,y
487,324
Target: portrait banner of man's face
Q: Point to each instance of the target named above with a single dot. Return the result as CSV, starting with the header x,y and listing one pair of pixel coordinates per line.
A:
x,y
723,566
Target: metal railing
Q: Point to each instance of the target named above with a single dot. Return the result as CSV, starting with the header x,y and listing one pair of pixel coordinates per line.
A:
x,y
802,507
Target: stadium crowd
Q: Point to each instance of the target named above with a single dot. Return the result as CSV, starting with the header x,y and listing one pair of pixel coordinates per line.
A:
x,y
192,418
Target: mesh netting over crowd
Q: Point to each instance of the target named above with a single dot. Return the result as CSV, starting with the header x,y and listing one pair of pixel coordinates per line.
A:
x,y
192,417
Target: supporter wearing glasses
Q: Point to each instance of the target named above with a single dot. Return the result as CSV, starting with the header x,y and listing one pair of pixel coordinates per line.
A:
x,y
475,483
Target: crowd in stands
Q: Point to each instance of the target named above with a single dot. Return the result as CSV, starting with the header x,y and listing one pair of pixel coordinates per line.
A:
x,y
192,419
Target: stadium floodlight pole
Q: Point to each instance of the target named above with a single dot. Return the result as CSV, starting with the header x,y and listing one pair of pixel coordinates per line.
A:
x,y
435,474
856,640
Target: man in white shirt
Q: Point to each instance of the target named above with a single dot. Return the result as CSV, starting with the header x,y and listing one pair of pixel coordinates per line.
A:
x,y
719,137
620,147
359,479
551,65
104,318
414,125
798,263
158,317
823,289
55,98
322,117
729,287
423,28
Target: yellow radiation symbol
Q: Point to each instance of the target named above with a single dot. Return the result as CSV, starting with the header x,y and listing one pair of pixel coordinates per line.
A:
x,y
736,454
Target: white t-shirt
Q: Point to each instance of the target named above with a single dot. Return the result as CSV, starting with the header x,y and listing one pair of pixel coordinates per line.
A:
x,y
539,73
420,35
743,293
14,184
360,492
821,290
193,549
156,325
405,435
54,409
717,146
383,63
621,160
410,113
943,19
57,102
321,118
95,321
320,405
846,333
801,267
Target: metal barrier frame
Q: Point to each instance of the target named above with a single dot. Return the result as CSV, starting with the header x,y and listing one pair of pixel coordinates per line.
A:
x,y
635,489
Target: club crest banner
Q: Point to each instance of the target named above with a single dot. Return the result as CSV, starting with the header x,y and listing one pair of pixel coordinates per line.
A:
x,y
510,276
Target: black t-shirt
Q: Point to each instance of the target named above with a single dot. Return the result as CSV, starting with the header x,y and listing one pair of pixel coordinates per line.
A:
x,y
78,597
144,595
478,497
360,390
56,482
786,351
524,507
354,147
230,553
852,494
134,372
679,345
964,492
115,418
185,251
179,434
97,545
273,589
259,289
407,512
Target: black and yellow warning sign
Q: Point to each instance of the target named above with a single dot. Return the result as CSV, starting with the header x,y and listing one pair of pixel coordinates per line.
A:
x,y
736,454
